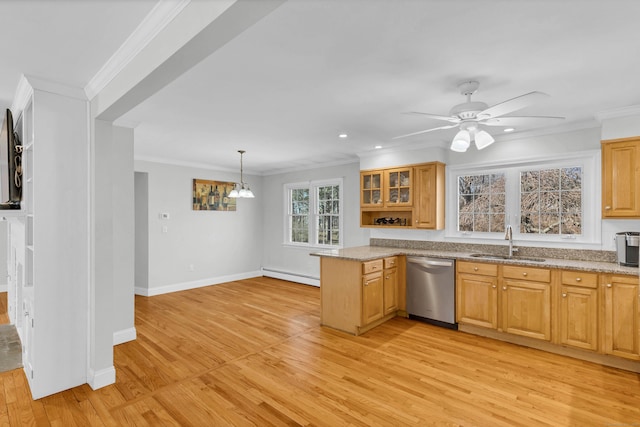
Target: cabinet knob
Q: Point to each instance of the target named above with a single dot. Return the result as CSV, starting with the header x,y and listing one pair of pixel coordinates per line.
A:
x,y
578,279
564,295
608,285
494,286
524,274
606,208
504,288
475,268
387,277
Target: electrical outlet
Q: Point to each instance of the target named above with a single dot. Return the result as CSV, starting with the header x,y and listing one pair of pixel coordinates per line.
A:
x,y
165,229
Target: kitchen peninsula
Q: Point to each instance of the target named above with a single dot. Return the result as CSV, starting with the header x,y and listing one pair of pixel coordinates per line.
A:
x,y
579,303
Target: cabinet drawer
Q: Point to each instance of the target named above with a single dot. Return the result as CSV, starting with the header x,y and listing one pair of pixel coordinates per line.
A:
x,y
391,262
526,273
580,278
371,266
477,268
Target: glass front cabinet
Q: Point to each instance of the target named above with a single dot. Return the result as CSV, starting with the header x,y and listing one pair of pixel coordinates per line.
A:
x,y
394,198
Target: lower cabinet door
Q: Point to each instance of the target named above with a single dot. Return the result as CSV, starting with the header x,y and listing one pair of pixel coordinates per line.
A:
x,y
579,317
390,290
526,309
477,302
622,317
372,298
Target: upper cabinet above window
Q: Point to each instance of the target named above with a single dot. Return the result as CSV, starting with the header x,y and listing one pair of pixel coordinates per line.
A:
x,y
621,178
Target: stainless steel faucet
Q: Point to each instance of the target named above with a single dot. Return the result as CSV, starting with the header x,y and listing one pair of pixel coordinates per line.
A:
x,y
508,235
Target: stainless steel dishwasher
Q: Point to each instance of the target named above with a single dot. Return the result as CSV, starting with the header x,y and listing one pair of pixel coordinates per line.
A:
x,y
431,290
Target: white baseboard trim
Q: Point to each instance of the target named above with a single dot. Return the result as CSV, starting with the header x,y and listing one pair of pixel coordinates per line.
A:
x,y
102,378
125,335
149,292
291,277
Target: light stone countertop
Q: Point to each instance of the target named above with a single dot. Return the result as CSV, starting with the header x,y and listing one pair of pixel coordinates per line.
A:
x,y
367,253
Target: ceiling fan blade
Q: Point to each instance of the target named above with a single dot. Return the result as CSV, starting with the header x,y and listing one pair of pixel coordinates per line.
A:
x,y
512,105
425,131
436,116
521,121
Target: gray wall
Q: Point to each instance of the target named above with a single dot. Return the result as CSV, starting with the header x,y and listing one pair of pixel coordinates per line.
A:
x,y
199,248
141,183
123,235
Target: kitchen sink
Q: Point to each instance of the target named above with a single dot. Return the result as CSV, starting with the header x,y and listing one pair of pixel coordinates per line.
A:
x,y
515,258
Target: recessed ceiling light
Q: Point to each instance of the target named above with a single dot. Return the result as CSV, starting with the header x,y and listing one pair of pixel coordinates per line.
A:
x,y
509,129
343,135
377,147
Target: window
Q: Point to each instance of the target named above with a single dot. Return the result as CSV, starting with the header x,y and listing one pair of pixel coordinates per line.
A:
x,y
551,201
314,213
542,200
481,201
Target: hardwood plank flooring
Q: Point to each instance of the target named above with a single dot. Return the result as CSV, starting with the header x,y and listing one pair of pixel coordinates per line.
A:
x,y
252,353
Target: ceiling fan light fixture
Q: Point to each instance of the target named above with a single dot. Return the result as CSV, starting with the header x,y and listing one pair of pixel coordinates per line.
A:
x,y
461,141
483,139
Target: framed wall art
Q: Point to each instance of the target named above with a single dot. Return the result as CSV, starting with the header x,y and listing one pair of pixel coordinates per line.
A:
x,y
213,195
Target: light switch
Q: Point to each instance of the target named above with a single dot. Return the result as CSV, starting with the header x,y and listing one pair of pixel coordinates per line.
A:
x,y
164,215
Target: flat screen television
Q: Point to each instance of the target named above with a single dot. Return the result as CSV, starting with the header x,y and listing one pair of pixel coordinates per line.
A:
x,y
10,165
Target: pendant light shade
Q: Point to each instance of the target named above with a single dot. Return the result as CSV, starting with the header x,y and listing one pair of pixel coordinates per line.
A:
x,y
461,141
483,139
241,189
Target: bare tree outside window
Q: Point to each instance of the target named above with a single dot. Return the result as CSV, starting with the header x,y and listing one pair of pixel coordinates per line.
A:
x,y
300,215
329,215
551,201
481,203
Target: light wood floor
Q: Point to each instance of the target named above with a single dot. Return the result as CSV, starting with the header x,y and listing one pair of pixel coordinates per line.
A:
x,y
252,353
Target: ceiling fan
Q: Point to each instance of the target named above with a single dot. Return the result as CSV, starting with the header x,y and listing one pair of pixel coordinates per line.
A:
x,y
469,116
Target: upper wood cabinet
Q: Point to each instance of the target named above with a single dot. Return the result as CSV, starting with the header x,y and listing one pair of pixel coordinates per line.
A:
x,y
408,196
429,205
621,178
371,188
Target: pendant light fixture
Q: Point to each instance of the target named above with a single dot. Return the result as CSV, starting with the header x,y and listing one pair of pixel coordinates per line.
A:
x,y
241,189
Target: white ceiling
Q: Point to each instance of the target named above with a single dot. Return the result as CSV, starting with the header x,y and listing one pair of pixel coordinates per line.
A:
x,y
286,87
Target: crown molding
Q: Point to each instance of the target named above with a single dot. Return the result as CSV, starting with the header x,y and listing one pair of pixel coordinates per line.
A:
x,y
159,17
22,96
631,110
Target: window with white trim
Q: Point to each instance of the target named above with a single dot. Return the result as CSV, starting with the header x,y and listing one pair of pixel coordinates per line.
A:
x,y
543,200
314,213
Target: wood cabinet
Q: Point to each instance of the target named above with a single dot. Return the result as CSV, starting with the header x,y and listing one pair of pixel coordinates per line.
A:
x,y
621,178
357,296
372,292
512,299
526,301
409,196
578,310
621,316
477,294
371,189
390,285
429,196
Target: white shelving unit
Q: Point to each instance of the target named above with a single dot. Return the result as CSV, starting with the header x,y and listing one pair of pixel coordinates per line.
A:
x,y
50,237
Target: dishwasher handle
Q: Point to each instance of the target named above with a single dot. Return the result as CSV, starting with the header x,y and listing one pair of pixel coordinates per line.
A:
x,y
431,262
